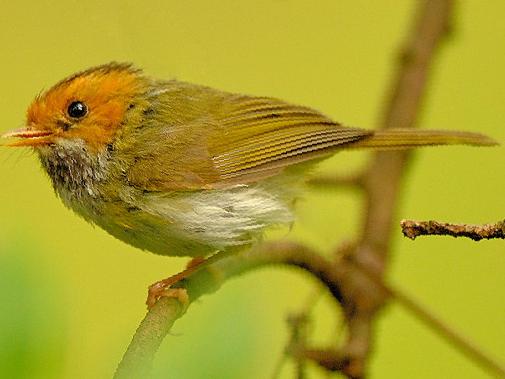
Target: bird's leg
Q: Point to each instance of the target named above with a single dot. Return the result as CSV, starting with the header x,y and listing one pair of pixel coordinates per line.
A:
x,y
196,261
163,288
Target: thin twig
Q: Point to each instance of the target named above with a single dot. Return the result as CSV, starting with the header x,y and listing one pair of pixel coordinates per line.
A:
x,y
413,229
329,359
338,360
276,373
298,324
336,181
455,338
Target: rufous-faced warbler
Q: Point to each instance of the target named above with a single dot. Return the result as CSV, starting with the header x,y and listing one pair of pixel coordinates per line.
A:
x,y
182,169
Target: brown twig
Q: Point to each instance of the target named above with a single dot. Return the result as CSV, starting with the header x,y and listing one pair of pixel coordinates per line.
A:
x,y
329,181
339,360
382,181
413,229
298,324
329,359
452,336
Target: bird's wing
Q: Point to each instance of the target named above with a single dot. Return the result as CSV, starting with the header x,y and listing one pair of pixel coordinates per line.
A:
x,y
237,139
262,136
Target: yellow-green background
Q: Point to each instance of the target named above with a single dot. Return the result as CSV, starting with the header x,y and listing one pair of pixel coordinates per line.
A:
x,y
71,295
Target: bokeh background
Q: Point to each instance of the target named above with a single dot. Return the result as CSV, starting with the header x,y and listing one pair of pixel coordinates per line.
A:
x,y
71,296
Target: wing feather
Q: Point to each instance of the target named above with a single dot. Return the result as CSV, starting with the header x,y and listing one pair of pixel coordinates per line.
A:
x,y
218,139
251,157
263,131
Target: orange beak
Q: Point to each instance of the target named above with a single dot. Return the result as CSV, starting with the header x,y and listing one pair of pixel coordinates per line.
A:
x,y
29,137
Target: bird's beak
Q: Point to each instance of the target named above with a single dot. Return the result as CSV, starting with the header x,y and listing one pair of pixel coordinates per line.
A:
x,y
28,137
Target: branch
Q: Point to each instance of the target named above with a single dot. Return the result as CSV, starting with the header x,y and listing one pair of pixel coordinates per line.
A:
x,y
137,360
328,181
340,360
413,229
298,324
383,178
329,359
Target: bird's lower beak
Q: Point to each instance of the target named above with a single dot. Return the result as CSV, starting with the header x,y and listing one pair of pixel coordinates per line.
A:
x,y
28,137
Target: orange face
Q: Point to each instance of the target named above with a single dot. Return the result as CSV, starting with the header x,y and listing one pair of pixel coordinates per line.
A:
x,y
89,106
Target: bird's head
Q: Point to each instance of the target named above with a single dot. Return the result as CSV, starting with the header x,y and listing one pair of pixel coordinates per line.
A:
x,y
86,108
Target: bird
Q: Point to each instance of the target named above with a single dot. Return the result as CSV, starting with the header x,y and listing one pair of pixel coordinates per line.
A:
x,y
181,169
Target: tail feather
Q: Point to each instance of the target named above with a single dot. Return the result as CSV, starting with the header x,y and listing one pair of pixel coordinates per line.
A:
x,y
394,139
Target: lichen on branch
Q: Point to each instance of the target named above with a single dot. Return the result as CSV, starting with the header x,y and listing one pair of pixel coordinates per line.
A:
x,y
413,229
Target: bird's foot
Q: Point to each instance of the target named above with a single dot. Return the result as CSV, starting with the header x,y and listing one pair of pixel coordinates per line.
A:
x,y
159,290
163,287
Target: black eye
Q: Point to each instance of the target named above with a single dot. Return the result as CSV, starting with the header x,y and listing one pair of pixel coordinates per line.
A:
x,y
77,109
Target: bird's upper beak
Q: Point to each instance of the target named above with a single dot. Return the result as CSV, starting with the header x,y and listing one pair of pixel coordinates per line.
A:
x,y
29,137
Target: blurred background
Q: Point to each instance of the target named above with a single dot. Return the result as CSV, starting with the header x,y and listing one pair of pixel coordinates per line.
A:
x,y
71,296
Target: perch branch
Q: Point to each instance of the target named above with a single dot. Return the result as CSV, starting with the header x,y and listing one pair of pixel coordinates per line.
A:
x,y
137,360
413,229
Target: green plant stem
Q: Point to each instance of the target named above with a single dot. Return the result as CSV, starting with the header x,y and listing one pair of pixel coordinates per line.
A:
x,y
138,359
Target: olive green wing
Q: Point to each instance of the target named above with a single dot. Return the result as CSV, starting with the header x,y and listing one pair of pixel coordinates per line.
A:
x,y
260,136
222,139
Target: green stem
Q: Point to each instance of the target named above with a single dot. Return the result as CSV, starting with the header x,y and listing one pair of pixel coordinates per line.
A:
x,y
138,358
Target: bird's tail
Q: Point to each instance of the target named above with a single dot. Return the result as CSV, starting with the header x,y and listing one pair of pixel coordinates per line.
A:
x,y
395,139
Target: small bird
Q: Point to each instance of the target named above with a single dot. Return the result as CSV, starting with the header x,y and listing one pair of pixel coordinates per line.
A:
x,y
181,169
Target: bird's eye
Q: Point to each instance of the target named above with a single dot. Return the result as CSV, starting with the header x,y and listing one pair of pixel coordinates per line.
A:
x,y
77,109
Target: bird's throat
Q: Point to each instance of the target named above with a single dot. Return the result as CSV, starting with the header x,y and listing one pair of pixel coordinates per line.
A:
x,y
74,171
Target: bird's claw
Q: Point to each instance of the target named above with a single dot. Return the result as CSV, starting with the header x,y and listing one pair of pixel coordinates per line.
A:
x,y
159,290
